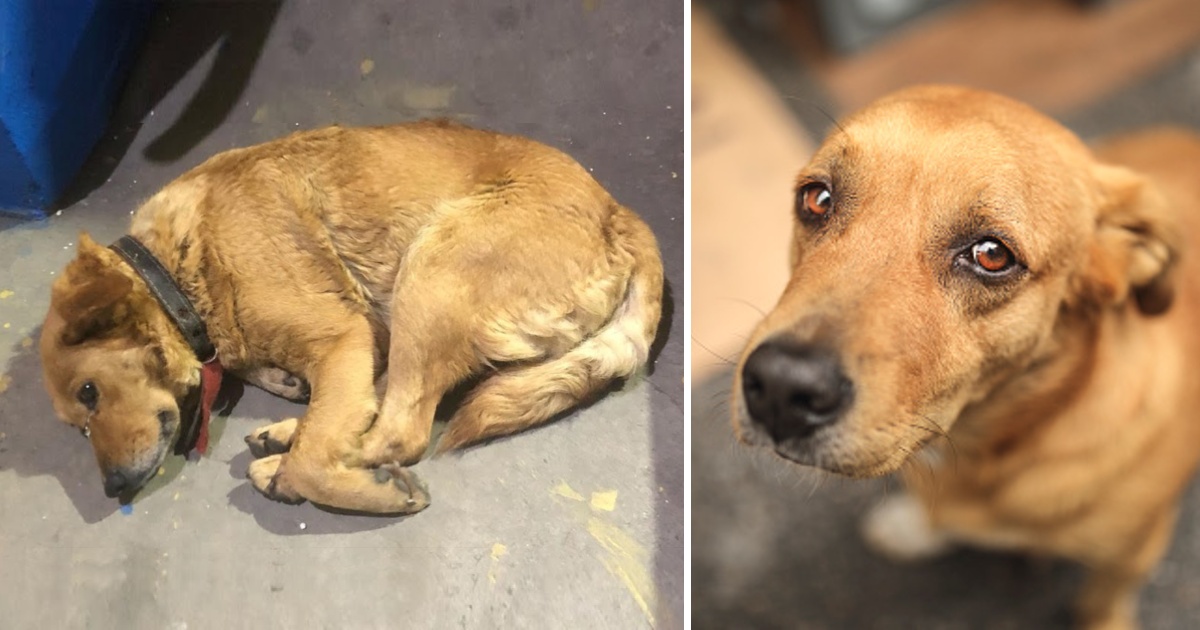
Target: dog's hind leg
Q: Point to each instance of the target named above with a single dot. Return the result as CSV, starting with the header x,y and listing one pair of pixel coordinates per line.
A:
x,y
279,382
431,351
522,396
563,316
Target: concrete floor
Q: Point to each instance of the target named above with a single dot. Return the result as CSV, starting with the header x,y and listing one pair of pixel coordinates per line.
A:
x,y
514,537
777,546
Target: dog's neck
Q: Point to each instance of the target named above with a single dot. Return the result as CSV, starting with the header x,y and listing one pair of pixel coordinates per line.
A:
x,y
1078,405
1045,390
169,225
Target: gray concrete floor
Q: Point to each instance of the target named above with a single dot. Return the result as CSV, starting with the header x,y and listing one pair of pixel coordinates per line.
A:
x,y
777,546
513,538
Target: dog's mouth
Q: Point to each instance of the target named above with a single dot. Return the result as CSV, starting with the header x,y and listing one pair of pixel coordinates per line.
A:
x,y
841,453
174,431
886,463
125,497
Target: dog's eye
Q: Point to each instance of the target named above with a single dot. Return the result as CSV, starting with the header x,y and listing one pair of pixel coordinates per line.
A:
x,y
88,395
992,257
814,201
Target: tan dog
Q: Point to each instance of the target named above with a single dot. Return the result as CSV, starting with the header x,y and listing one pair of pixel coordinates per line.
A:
x,y
479,253
975,291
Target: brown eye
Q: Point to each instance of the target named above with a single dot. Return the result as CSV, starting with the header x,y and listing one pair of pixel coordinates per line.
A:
x,y
814,200
992,256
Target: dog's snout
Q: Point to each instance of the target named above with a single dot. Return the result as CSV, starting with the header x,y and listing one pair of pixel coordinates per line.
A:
x,y
116,481
792,389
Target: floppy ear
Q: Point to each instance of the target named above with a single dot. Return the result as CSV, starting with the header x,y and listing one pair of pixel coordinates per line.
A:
x,y
1136,244
91,295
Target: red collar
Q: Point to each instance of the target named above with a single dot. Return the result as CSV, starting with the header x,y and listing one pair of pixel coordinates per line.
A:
x,y
210,384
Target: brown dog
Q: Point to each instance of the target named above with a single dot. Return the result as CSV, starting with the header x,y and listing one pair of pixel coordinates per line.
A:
x,y
431,249
976,291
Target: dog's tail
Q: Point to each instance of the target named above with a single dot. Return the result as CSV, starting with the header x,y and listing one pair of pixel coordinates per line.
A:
x,y
522,396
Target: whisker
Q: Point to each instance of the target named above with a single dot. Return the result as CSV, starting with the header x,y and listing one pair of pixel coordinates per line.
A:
x,y
813,104
724,360
949,440
746,302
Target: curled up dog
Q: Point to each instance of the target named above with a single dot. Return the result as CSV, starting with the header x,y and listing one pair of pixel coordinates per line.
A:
x,y
975,288
312,264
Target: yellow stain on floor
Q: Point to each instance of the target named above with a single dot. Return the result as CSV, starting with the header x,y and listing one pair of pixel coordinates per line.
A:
x,y
566,491
622,555
606,500
260,115
428,96
499,550
5,294
366,66
627,560
5,381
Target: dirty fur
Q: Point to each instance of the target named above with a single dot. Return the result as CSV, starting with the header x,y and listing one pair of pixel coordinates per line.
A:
x,y
1053,411
430,250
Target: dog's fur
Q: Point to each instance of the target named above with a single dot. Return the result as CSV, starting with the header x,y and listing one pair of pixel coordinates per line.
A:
x,y
1054,411
435,250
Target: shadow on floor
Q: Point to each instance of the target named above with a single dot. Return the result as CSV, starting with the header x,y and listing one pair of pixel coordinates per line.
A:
x,y
180,36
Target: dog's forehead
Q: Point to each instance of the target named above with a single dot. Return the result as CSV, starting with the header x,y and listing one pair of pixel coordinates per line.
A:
x,y
909,143
111,362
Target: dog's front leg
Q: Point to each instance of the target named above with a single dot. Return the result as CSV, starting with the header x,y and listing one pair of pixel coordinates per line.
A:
x,y
1108,600
325,463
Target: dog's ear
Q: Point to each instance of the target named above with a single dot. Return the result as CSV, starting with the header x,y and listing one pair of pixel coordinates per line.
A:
x,y
91,296
1136,245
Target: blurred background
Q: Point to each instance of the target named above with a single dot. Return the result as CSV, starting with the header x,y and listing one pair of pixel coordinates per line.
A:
x,y
777,546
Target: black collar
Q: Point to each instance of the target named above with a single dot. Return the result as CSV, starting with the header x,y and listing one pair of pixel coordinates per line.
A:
x,y
176,305
180,310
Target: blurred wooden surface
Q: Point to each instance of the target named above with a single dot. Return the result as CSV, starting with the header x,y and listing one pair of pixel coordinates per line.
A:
x,y
746,148
1053,54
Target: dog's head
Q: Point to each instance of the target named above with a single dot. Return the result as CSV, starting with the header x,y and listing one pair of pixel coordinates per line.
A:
x,y
114,367
942,236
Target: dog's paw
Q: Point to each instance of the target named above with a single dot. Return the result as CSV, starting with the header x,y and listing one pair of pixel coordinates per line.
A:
x,y
273,439
899,529
268,477
281,383
415,497
389,490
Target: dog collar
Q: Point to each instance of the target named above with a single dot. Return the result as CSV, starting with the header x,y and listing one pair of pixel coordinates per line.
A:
x,y
177,305
197,405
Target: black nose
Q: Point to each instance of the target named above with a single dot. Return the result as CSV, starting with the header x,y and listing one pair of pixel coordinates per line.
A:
x,y
115,482
793,389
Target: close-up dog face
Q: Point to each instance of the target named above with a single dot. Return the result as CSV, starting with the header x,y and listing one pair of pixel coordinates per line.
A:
x,y
941,235
107,370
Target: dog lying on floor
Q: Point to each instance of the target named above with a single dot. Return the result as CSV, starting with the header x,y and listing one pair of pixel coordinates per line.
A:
x,y
976,293
314,262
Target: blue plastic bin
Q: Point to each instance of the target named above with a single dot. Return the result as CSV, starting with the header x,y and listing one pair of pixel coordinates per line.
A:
x,y
62,65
